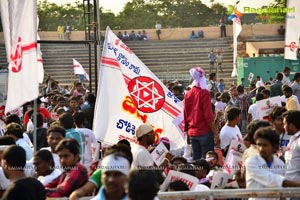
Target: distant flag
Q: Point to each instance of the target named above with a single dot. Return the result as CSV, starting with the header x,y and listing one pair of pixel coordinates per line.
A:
x,y
292,32
129,95
237,28
19,21
79,70
39,58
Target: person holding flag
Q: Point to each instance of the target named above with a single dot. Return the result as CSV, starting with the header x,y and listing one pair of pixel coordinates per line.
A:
x,y
79,70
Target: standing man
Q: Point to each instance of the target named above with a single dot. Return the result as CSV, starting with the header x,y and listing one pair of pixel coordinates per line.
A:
x,y
292,151
68,31
211,57
198,116
223,27
158,29
286,73
296,85
275,88
219,62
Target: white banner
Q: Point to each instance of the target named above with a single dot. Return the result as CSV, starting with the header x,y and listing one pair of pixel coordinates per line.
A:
x,y
265,106
19,20
292,30
129,94
237,28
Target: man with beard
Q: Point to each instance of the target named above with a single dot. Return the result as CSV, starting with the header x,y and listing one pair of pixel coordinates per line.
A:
x,y
145,138
292,156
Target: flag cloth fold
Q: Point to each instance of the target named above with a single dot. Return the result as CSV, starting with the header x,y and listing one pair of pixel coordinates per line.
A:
x,y
237,28
129,94
292,32
19,20
79,70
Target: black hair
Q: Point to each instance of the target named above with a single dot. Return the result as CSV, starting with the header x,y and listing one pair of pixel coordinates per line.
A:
x,y
202,164
188,169
58,129
240,89
179,158
259,96
267,133
279,76
14,129
287,89
15,157
266,92
7,140
213,153
292,117
260,88
178,185
253,126
78,118
45,155
142,185
124,141
66,120
12,118
232,112
39,120
68,143
277,111
123,148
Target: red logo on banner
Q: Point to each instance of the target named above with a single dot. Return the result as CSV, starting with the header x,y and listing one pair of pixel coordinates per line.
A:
x,y
292,46
147,94
16,57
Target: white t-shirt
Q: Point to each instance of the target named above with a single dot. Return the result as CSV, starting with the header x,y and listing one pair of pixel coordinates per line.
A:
x,y
286,80
23,143
141,157
254,112
228,133
90,145
4,182
220,106
49,178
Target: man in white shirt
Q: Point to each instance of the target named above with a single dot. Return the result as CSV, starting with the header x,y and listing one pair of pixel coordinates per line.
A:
x,y
266,170
286,79
230,131
292,152
253,112
141,156
90,139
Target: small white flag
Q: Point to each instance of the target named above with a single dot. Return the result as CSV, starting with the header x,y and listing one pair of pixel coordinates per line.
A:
x,y
79,70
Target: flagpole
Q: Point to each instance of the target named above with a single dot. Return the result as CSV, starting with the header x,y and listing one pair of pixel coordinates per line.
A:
x,y
98,47
34,124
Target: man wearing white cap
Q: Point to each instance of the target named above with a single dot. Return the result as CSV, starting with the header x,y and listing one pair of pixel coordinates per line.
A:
x,y
141,156
115,169
198,116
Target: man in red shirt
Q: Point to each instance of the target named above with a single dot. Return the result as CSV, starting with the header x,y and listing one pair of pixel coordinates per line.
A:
x,y
198,116
43,111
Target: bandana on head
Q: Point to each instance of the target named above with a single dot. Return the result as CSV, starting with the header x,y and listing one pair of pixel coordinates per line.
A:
x,y
198,74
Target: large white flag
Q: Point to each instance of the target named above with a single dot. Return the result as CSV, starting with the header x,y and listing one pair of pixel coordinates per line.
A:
x,y
237,28
79,70
19,20
129,94
292,33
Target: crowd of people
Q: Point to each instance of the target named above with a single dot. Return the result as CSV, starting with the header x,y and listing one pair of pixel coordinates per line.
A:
x,y
230,137
133,36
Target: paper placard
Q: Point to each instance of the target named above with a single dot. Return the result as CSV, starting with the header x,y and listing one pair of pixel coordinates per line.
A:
x,y
219,180
233,160
265,106
189,180
159,153
250,76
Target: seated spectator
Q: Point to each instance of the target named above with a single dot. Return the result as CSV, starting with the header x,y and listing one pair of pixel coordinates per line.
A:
x,y
132,35
193,35
145,35
44,167
177,161
202,170
125,36
75,174
200,34
178,186
139,36
281,30
120,35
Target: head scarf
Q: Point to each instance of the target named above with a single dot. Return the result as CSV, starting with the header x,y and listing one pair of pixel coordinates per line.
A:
x,y
198,74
